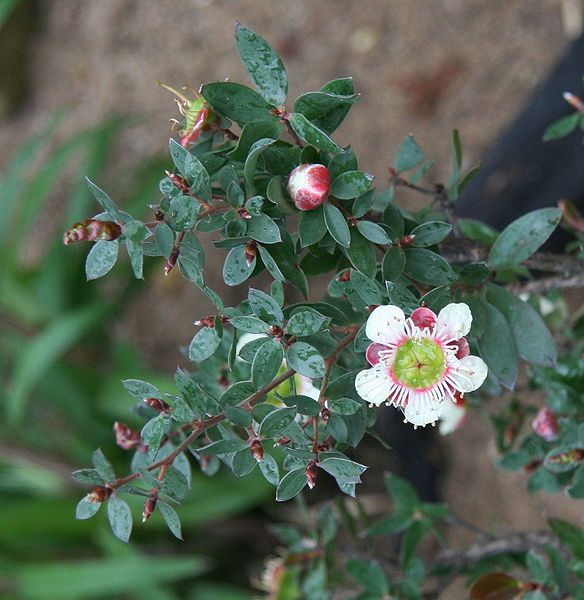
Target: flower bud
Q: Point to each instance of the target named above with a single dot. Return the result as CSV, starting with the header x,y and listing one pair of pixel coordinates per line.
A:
x,y
157,404
171,261
126,438
309,185
276,331
311,474
545,424
99,494
92,230
179,182
150,505
257,450
250,252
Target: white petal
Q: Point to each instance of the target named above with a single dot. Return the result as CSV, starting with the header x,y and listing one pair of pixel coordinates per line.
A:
x,y
373,384
419,416
385,324
470,373
454,319
452,417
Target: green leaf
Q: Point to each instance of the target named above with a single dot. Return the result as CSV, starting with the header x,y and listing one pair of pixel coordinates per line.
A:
x,y
291,485
537,567
312,135
351,184
101,259
265,307
370,575
183,213
332,119
305,359
305,322
276,195
497,347
86,509
361,253
401,296
251,133
164,237
428,267
534,342
561,127
430,233
251,162
367,289
226,446
141,389
344,406
171,518
323,109
281,262
120,517
136,254
262,64
204,344
373,232
570,535
413,536
103,466
89,476
342,467
249,324
519,240
402,492
478,231
409,155
337,224
267,362
263,229
153,432
106,202
393,263
304,405
236,269
269,468
311,226
237,102
238,416
456,159
277,421
243,462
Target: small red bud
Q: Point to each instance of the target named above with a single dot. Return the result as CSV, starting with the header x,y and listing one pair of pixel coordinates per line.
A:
x,y
157,404
276,331
406,240
532,466
150,505
250,252
171,261
311,474
92,230
325,414
257,450
243,213
159,215
545,424
179,182
309,186
208,321
345,276
99,494
223,380
126,438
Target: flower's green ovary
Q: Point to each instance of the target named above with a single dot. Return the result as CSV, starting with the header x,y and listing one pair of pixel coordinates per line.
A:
x,y
419,363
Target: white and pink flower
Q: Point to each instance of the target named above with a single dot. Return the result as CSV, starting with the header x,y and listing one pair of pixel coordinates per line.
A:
x,y
419,363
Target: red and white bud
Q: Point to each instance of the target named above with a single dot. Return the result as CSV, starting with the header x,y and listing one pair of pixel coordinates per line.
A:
x,y
99,494
157,404
126,438
311,474
92,230
150,505
257,450
309,186
546,425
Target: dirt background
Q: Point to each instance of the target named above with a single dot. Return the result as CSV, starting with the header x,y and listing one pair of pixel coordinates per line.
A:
x,y
422,66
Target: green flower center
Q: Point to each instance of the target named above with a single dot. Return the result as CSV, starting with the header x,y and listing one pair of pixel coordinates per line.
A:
x,y
419,363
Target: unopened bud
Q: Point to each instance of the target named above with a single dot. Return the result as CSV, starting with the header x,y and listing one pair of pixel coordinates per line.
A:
x,y
243,213
571,215
325,414
530,467
171,261
208,321
406,240
345,276
92,230
545,424
157,404
574,101
99,494
283,441
309,186
311,474
250,252
257,450
179,182
126,437
276,331
150,505
159,215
